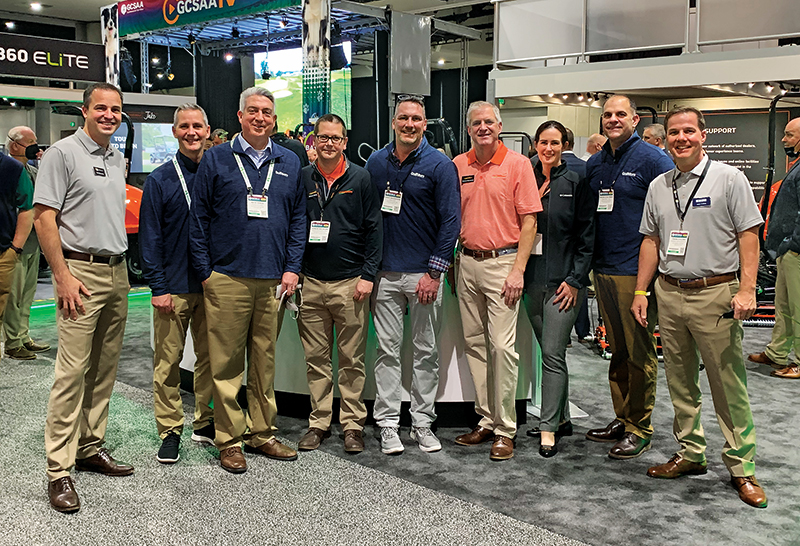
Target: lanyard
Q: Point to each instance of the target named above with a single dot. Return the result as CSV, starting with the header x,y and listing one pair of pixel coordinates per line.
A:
x,y
622,167
389,167
328,193
682,215
247,180
183,181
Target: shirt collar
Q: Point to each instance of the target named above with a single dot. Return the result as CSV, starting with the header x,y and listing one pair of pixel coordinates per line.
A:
x,y
622,149
92,146
413,155
249,150
190,165
497,158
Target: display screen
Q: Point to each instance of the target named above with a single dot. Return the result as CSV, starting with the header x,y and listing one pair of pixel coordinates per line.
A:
x,y
285,69
153,145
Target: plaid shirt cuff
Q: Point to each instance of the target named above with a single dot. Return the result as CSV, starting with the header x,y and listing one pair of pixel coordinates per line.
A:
x,y
438,264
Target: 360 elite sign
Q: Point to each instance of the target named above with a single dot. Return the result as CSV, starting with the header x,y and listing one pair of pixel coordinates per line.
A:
x,y
51,59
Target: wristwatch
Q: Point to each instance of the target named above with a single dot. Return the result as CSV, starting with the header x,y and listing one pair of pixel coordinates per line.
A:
x,y
16,249
434,274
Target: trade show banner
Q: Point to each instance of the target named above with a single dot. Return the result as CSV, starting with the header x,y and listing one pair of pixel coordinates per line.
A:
x,y
109,25
147,15
51,59
316,59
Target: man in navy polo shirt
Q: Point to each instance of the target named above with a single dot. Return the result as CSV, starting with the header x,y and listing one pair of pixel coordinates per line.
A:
x,y
620,175
421,206
247,235
177,296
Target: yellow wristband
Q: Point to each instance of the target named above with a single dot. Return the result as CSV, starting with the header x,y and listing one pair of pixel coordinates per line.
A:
x,y
640,293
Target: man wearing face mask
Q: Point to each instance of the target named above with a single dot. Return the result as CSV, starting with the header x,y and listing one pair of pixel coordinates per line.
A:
x,y
22,146
783,242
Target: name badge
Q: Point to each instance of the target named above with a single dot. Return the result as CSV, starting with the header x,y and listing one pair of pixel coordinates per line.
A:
x,y
698,202
677,243
605,203
466,179
392,201
537,245
319,232
99,171
257,206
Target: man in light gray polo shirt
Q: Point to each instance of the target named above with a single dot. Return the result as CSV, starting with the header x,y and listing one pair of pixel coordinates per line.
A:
x,y
700,223
80,219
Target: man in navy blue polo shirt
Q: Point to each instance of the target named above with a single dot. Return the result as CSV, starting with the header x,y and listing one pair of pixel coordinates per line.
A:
x,y
421,207
177,295
247,236
620,175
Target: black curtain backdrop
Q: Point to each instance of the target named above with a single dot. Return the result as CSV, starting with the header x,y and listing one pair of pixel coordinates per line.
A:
x,y
219,85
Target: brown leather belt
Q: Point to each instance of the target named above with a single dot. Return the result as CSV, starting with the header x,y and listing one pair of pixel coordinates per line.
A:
x,y
94,258
483,254
703,282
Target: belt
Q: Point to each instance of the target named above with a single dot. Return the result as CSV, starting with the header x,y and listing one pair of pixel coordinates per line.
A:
x,y
94,258
481,254
703,282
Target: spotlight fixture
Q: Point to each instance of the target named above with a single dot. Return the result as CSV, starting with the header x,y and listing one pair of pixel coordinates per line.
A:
x,y
580,96
440,62
10,25
170,75
565,96
284,22
550,95
235,33
36,6
155,61
192,39
769,87
750,85
160,75
228,57
782,88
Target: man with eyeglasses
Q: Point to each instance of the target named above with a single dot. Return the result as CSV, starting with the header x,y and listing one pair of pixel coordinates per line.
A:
x,y
247,235
22,145
342,255
418,188
499,203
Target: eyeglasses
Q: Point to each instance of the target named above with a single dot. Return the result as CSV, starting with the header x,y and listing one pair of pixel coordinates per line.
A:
x,y
334,138
419,99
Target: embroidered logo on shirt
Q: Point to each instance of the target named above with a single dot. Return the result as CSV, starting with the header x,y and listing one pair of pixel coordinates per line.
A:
x,y
99,171
628,174
418,175
282,174
565,195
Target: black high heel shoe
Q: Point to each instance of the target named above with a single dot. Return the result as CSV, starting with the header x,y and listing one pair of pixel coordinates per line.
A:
x,y
564,429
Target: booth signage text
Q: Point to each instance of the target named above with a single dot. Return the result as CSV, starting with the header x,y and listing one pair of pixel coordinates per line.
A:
x,y
51,59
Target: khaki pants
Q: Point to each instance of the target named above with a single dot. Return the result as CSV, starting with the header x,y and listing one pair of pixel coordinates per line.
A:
x,y
8,262
691,323
490,329
18,309
242,313
633,370
329,305
786,333
170,338
85,367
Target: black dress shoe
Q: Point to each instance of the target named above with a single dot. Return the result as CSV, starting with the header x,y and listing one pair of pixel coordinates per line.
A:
x,y
548,451
614,432
63,496
564,429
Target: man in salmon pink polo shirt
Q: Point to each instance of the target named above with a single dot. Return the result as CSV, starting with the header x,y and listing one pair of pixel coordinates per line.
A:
x,y
499,202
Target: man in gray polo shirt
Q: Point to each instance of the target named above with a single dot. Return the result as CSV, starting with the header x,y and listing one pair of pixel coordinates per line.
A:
x,y
80,219
700,223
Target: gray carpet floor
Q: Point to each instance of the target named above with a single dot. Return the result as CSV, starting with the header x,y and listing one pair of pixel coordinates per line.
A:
x,y
456,496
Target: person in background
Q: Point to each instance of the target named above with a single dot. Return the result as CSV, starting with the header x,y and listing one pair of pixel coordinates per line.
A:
x,y
594,145
557,275
23,146
177,295
656,135
218,136
290,144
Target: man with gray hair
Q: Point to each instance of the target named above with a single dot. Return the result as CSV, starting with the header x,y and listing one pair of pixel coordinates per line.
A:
x,y
23,146
177,295
247,235
656,135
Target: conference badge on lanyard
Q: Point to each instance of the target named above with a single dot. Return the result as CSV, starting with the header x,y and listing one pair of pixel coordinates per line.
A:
x,y
392,201
319,232
257,205
677,243
605,202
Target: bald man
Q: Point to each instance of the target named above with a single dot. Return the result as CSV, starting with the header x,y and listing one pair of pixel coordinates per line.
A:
x,y
594,145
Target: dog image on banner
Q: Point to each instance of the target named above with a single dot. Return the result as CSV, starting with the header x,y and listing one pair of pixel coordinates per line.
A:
x,y
110,30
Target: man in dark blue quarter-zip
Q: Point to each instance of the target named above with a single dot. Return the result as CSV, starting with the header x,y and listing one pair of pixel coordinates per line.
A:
x,y
341,260
247,236
177,296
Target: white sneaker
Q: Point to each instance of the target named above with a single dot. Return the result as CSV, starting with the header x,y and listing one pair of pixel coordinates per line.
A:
x,y
390,441
426,439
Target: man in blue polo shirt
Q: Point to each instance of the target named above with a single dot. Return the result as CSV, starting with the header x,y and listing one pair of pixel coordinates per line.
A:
x,y
619,175
247,235
177,296
421,206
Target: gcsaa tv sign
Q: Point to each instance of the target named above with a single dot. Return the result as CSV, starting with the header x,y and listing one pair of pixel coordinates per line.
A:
x,y
51,59
147,15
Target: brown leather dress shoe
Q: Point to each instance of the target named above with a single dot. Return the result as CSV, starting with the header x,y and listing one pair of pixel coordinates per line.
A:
x,y
103,463
353,441
611,433
676,467
276,450
750,491
312,439
63,496
630,447
502,448
789,372
232,460
762,358
478,435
